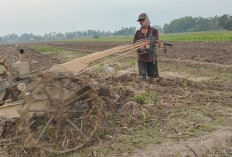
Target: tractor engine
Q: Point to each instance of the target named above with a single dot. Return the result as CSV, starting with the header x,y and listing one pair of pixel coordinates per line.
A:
x,y
3,81
13,78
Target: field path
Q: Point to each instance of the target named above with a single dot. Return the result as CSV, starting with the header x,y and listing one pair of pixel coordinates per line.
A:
x,y
217,143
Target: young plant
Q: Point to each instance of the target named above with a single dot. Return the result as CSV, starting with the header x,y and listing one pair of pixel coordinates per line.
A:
x,y
149,97
100,68
145,98
184,83
129,119
144,118
48,49
140,99
157,129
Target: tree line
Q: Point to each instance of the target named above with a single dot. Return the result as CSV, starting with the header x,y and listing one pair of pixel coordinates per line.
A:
x,y
69,35
197,24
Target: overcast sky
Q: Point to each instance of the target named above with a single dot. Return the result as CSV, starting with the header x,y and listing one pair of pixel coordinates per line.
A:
x,y
45,16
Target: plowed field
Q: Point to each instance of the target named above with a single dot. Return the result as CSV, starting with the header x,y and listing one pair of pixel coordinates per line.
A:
x,y
186,113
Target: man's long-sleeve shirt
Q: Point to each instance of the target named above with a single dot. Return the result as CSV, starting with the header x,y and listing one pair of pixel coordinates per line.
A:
x,y
146,57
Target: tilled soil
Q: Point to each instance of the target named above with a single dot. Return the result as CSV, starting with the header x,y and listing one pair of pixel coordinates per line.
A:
x,y
36,60
194,109
92,46
207,52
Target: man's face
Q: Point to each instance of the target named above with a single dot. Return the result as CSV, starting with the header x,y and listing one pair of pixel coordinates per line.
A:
x,y
141,21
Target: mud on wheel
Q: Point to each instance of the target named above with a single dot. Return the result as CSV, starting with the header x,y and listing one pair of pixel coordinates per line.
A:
x,y
71,118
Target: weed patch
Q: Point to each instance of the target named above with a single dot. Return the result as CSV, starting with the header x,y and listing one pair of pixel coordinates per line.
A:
x,y
146,98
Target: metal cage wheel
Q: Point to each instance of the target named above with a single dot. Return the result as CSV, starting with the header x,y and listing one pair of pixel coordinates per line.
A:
x,y
71,118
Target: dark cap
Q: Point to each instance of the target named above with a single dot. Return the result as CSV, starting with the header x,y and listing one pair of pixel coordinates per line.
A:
x,y
142,16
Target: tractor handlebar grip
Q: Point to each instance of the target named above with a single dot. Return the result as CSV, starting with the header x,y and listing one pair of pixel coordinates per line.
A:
x,y
168,44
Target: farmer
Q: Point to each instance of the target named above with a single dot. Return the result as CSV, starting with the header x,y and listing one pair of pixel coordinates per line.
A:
x,y
147,61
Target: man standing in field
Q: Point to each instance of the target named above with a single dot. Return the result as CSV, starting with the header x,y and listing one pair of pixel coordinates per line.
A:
x,y
147,59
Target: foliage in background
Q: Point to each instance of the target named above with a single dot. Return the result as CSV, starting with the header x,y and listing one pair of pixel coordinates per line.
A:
x,y
126,31
69,35
198,24
226,22
190,24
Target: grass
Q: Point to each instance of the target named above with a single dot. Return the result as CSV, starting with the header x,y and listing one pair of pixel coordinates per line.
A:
x,y
184,83
191,121
216,75
172,37
47,49
105,39
199,118
127,142
145,98
62,54
139,98
100,69
144,118
131,63
198,36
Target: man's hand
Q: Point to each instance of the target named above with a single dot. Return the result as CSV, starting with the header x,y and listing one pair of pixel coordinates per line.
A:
x,y
142,49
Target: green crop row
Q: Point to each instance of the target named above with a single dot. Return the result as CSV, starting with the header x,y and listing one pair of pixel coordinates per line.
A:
x,y
185,37
106,39
198,36
47,49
